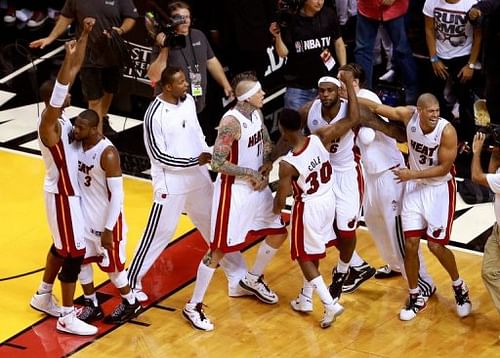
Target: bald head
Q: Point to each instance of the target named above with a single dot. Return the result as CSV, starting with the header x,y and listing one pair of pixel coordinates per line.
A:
x,y
427,99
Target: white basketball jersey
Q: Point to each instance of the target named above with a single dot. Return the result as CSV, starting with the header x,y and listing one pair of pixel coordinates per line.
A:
x,y
248,151
61,162
423,148
342,150
94,188
383,152
315,171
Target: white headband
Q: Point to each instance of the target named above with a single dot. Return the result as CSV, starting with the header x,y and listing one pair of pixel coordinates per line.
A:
x,y
255,88
329,79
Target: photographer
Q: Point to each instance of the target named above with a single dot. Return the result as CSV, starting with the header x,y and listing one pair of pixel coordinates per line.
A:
x,y
309,39
491,258
195,58
102,67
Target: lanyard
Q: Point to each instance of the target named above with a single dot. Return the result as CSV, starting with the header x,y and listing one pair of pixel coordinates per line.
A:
x,y
196,67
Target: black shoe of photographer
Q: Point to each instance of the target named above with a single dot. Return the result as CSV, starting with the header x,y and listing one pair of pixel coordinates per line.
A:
x,y
107,130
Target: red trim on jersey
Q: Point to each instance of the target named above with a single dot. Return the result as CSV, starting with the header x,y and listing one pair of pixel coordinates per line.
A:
x,y
361,182
303,148
64,185
452,196
414,233
297,249
65,226
223,211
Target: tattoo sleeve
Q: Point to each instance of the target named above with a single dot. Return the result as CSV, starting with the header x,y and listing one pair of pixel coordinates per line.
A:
x,y
229,132
268,144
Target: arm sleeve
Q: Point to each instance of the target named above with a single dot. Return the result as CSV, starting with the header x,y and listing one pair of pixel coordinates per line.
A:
x,y
155,143
115,187
428,9
128,9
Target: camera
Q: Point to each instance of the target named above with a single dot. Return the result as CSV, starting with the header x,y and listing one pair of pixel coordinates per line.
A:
x,y
492,132
156,24
286,10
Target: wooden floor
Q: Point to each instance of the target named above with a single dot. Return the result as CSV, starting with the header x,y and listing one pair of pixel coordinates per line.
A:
x,y
244,327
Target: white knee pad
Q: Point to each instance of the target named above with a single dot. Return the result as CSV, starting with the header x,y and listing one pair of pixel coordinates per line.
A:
x,y
119,279
86,274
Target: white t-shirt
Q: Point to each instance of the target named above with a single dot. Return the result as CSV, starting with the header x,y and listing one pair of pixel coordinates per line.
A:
x,y
494,183
453,31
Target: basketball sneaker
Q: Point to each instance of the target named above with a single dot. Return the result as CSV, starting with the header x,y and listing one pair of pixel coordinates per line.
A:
x,y
90,312
331,314
140,295
124,312
357,275
386,272
302,303
415,304
338,279
237,291
193,312
464,306
46,303
256,286
427,295
73,325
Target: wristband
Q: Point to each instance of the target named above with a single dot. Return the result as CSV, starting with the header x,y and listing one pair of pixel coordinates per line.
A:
x,y
59,94
434,59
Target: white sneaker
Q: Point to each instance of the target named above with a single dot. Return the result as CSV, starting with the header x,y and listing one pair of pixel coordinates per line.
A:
x,y
416,303
302,303
193,312
256,286
46,303
464,306
72,324
388,76
140,295
331,313
24,14
237,291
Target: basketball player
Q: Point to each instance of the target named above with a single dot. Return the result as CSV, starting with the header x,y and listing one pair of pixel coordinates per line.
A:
x,y
101,185
62,194
242,199
383,195
329,108
178,153
308,170
429,198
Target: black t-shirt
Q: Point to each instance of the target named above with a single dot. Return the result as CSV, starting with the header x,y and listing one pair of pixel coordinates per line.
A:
x,y
306,38
107,14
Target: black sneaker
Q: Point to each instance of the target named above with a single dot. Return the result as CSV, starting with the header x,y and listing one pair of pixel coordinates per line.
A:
x,y
89,312
338,279
124,312
108,131
357,275
386,272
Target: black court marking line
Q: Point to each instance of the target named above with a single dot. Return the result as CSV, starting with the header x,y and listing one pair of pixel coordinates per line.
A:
x,y
18,141
459,213
17,346
139,323
21,274
166,308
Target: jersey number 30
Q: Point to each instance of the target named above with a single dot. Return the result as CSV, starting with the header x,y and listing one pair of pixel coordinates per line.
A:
x,y
325,173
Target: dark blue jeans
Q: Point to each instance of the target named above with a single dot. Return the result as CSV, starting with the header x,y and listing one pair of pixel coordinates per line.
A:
x,y
366,31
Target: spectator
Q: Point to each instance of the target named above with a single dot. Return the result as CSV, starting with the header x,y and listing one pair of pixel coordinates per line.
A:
x,y
453,50
102,67
309,41
488,11
389,13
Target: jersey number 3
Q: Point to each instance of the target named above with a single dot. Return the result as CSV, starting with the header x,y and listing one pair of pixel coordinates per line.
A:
x,y
325,173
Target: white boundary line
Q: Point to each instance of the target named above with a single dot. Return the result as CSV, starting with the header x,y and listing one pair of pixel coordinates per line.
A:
x,y
31,64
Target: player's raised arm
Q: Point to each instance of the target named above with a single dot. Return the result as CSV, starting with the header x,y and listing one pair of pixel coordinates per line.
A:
x,y
401,114
75,52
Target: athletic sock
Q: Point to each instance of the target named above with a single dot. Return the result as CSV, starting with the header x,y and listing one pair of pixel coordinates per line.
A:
x,y
264,255
203,278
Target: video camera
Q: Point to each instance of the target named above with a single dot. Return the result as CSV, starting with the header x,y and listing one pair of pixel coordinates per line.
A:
x,y
158,21
483,122
286,10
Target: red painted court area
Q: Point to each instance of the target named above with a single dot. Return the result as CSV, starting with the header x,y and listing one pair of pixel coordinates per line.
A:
x,y
175,268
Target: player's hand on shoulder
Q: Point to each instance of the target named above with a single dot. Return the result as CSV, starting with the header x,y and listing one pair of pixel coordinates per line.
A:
x,y
204,158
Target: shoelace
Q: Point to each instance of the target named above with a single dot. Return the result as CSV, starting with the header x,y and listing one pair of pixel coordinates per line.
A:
x,y
199,309
461,296
118,310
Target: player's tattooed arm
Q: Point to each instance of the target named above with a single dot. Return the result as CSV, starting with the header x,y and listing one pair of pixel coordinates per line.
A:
x,y
266,168
229,131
